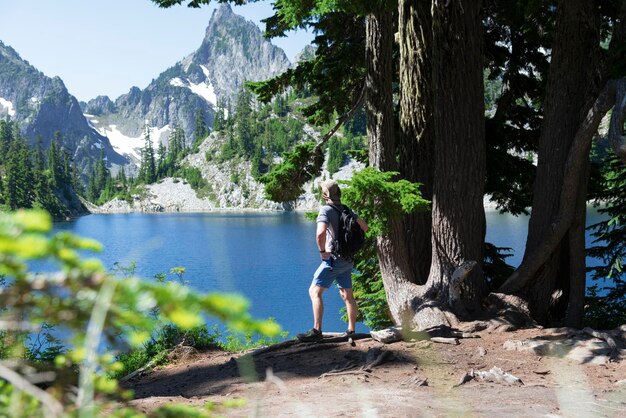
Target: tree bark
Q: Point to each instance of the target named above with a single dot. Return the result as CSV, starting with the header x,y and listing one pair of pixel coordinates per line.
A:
x,y
378,93
578,273
459,151
391,247
570,87
617,137
536,259
416,130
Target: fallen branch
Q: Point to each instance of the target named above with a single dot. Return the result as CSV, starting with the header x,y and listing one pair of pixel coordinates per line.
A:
x,y
416,381
496,374
140,370
169,354
605,337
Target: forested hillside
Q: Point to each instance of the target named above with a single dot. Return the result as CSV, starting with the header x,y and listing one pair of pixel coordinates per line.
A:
x,y
37,178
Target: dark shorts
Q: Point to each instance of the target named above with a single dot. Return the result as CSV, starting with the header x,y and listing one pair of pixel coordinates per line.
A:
x,y
337,270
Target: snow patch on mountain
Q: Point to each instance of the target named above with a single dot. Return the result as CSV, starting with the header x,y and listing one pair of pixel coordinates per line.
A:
x,y
128,145
122,144
177,82
159,135
7,107
204,90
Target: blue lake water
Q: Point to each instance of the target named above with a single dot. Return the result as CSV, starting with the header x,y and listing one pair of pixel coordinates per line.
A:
x,y
267,257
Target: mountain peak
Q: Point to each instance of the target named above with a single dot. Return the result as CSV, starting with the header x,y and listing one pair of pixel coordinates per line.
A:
x,y
223,11
234,51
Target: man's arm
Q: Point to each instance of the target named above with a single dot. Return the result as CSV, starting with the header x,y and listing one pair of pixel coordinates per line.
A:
x,y
320,237
362,224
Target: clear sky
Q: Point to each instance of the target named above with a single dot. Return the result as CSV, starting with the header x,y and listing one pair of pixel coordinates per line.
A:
x,y
104,47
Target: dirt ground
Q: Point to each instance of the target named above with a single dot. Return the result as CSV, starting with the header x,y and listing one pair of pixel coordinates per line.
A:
x,y
414,379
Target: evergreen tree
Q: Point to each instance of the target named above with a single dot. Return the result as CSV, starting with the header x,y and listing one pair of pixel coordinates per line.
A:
x,y
55,166
147,170
200,130
76,183
219,120
6,137
67,169
162,163
121,178
39,163
18,178
244,124
101,173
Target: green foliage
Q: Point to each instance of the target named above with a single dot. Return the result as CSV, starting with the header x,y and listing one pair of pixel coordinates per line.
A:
x,y
147,168
495,268
193,175
339,148
606,311
377,197
369,292
81,293
17,404
284,181
30,180
156,350
606,305
237,342
258,135
200,130
336,74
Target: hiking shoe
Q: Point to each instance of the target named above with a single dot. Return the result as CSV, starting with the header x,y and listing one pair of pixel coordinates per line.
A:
x,y
348,333
311,335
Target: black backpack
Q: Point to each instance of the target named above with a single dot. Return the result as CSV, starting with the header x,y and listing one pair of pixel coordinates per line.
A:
x,y
350,237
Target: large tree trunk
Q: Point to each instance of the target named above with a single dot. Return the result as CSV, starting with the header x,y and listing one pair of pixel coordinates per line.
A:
x,y
459,157
392,249
458,220
416,133
568,98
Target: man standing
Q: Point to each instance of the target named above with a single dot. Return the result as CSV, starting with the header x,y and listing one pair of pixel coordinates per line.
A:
x,y
333,267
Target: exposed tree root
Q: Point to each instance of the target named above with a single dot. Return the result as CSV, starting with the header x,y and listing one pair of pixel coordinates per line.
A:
x,y
274,347
375,357
306,348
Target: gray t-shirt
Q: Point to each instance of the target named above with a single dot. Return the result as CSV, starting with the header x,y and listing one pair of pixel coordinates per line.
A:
x,y
330,216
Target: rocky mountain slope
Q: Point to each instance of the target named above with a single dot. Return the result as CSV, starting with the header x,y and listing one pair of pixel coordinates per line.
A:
x,y
42,106
232,52
231,187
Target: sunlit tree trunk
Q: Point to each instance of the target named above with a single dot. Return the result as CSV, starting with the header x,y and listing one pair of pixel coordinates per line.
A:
x,y
459,150
416,128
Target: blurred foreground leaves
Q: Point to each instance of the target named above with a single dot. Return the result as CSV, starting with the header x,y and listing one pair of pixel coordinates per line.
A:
x,y
131,311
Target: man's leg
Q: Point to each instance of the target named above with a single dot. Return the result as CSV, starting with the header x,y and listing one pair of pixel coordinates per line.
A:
x,y
348,298
315,292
